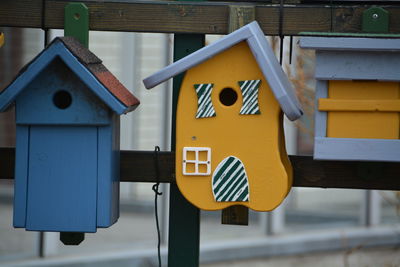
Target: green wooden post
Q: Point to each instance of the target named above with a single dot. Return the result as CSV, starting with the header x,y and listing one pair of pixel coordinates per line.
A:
x,y
184,218
76,24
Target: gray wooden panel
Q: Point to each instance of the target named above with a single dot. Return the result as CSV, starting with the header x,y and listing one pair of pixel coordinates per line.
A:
x,y
321,91
350,65
350,44
357,149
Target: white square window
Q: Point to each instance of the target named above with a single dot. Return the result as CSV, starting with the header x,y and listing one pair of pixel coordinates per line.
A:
x,y
196,161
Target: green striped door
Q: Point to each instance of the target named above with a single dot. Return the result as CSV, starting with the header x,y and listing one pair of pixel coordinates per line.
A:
x,y
230,182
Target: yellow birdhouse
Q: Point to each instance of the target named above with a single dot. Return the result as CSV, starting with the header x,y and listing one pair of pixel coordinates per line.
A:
x,y
229,127
358,98
1,39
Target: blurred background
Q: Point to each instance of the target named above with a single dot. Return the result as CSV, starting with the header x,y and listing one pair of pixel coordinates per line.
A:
x,y
309,221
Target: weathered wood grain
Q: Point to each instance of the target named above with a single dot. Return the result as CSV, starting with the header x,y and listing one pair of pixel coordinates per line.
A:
x,y
21,13
191,17
296,19
147,16
345,174
138,166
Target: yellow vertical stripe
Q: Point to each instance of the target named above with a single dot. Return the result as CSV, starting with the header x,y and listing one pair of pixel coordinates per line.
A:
x,y
1,39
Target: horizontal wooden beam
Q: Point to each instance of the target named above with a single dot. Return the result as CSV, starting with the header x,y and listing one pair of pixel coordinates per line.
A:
x,y
190,17
139,166
21,13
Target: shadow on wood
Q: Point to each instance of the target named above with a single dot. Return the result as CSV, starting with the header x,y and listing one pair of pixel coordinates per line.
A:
x,y
235,215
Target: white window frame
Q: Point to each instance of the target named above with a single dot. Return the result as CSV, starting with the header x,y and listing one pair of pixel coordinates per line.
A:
x,y
196,161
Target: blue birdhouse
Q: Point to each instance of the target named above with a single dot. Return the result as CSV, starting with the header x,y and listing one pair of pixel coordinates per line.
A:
x,y
67,107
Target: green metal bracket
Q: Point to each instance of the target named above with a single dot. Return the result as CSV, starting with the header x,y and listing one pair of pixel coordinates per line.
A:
x,y
375,24
376,20
184,218
76,22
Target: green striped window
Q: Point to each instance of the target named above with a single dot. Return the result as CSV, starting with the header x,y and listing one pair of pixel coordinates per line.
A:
x,y
249,90
205,107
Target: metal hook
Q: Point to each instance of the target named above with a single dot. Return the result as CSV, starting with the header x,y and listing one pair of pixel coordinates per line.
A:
x,y
157,170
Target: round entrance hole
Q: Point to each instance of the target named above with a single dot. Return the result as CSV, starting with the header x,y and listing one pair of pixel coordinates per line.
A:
x,y
62,99
228,96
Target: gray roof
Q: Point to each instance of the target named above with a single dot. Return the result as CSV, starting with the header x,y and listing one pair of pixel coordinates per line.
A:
x,y
265,57
340,58
343,44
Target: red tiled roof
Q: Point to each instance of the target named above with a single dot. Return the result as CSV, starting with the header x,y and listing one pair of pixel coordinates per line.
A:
x,y
103,75
116,88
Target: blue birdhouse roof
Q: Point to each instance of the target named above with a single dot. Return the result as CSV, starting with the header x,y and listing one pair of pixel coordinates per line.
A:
x,y
265,57
87,66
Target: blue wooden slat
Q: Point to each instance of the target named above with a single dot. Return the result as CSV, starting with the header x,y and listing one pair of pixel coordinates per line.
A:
x,y
21,175
62,187
108,174
104,176
85,108
115,169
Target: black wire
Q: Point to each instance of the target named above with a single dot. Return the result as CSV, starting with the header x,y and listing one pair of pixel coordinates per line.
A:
x,y
281,50
46,31
291,50
46,37
331,4
156,194
281,36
